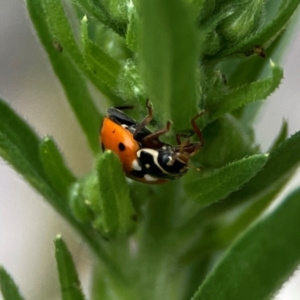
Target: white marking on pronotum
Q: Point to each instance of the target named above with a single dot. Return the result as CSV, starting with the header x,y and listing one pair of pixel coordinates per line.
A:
x,y
136,166
154,154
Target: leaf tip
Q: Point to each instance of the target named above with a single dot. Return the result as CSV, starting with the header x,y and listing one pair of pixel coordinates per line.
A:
x,y
58,237
272,63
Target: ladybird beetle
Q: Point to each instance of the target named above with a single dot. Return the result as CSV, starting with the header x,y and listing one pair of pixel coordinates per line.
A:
x,y
144,157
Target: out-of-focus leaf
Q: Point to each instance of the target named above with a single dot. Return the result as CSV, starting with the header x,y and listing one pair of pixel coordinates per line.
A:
x,y
169,58
68,277
281,137
55,167
16,131
8,287
282,162
257,264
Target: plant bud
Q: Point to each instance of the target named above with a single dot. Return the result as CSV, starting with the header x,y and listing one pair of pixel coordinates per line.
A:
x,y
243,22
212,43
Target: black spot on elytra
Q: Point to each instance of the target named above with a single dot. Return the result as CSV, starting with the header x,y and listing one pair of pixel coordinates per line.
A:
x,y
114,131
121,147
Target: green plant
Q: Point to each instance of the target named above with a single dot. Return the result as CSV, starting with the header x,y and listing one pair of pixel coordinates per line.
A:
x,y
207,235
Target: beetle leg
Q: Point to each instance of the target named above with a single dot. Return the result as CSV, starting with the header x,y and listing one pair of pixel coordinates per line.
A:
x,y
197,129
178,139
146,120
154,136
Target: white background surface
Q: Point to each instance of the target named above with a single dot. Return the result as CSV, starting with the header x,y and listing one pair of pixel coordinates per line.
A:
x,y
27,224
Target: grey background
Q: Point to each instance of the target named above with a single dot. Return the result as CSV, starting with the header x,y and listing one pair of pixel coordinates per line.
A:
x,y
27,224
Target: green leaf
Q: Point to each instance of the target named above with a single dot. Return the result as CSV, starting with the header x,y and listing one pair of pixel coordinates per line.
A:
x,y
99,12
132,35
130,83
79,205
227,134
8,287
212,42
110,42
256,67
117,210
282,163
60,28
68,277
87,5
71,79
244,20
61,31
19,147
11,153
105,68
266,34
20,134
217,184
169,58
282,135
228,233
246,94
119,10
57,172
259,262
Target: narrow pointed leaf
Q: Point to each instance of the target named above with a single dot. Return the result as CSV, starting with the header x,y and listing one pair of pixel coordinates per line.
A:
x,y
96,11
217,184
68,277
246,94
105,68
55,167
8,288
169,58
61,31
229,232
282,135
282,163
72,81
132,35
117,210
12,154
99,12
260,261
19,133
60,28
19,146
